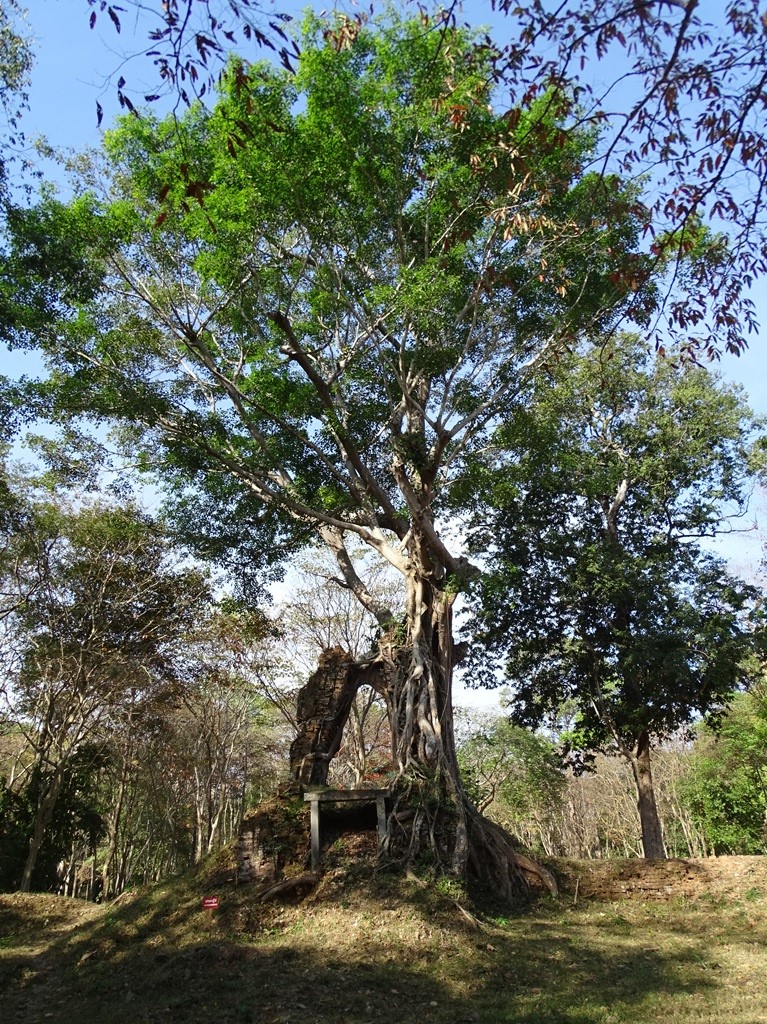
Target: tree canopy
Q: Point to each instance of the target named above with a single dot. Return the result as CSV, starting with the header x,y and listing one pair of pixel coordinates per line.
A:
x,y
674,88
93,618
600,589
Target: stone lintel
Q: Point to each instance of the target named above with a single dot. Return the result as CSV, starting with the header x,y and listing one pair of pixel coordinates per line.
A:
x,y
344,795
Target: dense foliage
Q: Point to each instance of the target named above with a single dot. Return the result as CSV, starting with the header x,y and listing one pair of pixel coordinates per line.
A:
x,y
727,786
600,589
124,685
675,89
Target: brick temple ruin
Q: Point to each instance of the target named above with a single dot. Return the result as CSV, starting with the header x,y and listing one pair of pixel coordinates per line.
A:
x,y
322,710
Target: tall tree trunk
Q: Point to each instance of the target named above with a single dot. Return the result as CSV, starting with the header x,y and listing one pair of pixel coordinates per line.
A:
x,y
45,805
199,814
216,809
652,833
92,879
70,881
420,701
423,736
114,825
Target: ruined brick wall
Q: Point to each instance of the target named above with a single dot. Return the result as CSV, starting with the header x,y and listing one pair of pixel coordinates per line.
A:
x,y
255,859
323,708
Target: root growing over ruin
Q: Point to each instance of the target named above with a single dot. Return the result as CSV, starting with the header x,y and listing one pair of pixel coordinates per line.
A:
x,y
459,841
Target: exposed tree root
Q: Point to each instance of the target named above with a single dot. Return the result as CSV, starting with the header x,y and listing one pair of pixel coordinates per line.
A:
x,y
494,862
289,885
436,832
432,817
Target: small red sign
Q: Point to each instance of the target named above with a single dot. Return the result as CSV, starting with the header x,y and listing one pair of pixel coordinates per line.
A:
x,y
210,903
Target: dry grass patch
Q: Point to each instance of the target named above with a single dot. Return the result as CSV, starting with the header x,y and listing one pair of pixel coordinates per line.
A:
x,y
371,947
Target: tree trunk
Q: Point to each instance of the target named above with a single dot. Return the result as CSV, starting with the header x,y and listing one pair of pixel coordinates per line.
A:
x,y
113,832
199,814
419,697
413,671
215,810
418,692
652,834
45,805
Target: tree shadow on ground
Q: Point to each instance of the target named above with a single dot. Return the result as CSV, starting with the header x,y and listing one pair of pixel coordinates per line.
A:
x,y
157,960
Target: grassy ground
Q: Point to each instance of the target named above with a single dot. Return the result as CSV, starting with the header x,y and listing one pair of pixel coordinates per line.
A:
x,y
377,948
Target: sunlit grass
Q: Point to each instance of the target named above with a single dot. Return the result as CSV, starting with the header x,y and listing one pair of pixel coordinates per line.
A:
x,y
382,949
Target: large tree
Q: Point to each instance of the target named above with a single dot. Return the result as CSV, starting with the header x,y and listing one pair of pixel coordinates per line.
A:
x,y
315,329
600,590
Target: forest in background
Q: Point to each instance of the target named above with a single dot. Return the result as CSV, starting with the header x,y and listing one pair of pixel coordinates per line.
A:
x,y
159,750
